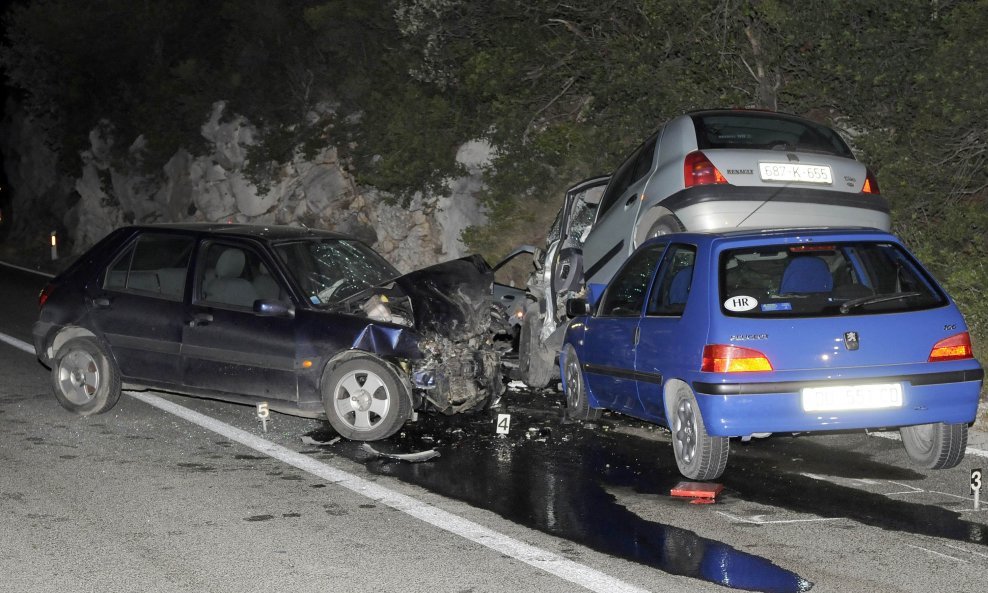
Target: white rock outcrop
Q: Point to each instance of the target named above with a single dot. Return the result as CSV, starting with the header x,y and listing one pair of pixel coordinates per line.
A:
x,y
317,193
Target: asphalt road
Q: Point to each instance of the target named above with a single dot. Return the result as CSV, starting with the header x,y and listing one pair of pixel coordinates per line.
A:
x,y
142,499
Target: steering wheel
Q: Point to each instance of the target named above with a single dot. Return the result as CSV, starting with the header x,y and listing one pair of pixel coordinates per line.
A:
x,y
326,293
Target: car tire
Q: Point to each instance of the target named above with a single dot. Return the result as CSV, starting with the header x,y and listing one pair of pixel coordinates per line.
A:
x,y
535,363
935,446
365,399
664,226
85,378
577,404
699,456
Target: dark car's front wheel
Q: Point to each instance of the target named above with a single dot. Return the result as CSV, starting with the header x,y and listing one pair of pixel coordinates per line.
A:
x,y
365,400
84,377
698,455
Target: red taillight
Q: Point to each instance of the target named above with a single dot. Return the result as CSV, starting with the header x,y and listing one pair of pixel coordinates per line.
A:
x,y
870,184
953,348
43,296
698,170
721,358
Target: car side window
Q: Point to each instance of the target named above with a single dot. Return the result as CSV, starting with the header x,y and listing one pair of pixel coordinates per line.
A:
x,y
673,282
154,265
234,276
625,295
634,168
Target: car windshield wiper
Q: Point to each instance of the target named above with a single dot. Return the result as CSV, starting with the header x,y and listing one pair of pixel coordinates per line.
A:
x,y
876,298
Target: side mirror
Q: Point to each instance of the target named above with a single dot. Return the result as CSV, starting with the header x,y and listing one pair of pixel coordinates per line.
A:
x,y
272,308
578,307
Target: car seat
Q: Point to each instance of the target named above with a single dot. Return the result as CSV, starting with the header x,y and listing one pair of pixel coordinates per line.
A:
x,y
806,275
229,287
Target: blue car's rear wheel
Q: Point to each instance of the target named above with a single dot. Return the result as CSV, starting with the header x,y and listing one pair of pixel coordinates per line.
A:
x,y
935,446
365,400
577,405
698,455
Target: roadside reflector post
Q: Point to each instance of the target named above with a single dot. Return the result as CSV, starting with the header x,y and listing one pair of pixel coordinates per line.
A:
x,y
262,414
54,245
976,487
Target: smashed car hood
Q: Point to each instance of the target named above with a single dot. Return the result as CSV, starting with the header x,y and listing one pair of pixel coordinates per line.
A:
x,y
453,298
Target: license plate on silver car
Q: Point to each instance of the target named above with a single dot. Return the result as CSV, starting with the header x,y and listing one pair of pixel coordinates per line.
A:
x,y
852,397
795,172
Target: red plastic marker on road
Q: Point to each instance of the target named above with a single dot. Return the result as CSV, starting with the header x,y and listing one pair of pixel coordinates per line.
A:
x,y
700,492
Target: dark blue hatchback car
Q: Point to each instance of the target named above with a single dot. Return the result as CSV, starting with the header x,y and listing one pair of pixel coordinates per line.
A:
x,y
313,323
743,333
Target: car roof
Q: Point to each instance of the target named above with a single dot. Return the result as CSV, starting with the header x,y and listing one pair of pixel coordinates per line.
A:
x,y
807,234
253,231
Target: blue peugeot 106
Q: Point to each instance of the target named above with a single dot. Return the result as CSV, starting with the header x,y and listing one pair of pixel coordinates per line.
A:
x,y
742,333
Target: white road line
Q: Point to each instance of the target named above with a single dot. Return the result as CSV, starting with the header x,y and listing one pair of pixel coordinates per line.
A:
x,y
19,344
554,564
894,436
939,553
756,521
23,269
966,551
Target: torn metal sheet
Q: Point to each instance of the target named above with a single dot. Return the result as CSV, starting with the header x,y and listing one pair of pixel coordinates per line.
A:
x,y
410,457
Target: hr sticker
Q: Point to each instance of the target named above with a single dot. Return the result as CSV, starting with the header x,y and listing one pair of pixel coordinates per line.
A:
x,y
738,304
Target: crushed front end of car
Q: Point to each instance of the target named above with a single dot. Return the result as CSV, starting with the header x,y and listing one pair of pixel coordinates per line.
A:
x,y
451,309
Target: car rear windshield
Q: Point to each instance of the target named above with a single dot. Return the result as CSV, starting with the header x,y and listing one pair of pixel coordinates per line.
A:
x,y
766,131
817,280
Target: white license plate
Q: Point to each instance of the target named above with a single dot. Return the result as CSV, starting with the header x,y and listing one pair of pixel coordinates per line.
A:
x,y
795,172
852,397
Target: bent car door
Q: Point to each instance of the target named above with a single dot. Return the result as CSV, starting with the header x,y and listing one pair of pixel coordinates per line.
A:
x,y
612,333
667,337
228,347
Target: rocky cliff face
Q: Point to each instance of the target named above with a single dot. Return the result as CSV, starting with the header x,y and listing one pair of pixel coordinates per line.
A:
x,y
317,192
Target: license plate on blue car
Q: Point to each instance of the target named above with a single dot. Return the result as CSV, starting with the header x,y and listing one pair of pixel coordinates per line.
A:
x,y
852,397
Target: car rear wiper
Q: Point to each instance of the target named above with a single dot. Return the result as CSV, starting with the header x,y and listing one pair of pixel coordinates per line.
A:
x,y
876,298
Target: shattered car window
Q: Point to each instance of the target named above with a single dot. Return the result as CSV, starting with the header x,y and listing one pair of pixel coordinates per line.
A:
x,y
330,270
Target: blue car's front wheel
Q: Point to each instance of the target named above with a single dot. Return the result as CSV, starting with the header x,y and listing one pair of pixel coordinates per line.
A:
x,y
699,456
577,405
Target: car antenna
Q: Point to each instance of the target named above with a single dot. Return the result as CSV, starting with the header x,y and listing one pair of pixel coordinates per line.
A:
x,y
752,213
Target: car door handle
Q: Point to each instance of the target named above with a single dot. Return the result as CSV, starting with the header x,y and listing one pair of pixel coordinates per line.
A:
x,y
101,302
631,199
638,334
201,319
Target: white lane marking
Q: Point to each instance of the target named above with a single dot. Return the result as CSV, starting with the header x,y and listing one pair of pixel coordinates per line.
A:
x,y
19,344
894,436
964,550
23,269
757,519
939,553
554,564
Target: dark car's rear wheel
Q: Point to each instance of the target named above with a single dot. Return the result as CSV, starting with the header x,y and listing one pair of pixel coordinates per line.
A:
x,y
84,377
935,446
577,405
365,400
698,455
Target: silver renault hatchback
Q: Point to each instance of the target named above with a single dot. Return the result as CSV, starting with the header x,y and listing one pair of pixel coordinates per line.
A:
x,y
721,169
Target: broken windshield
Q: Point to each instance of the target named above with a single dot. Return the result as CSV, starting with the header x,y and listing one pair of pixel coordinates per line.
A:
x,y
330,270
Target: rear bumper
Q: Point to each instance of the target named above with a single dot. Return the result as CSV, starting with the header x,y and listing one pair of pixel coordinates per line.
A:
x,y
716,207
740,409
